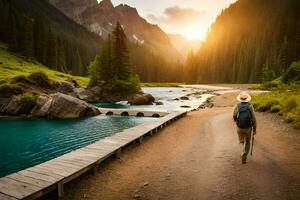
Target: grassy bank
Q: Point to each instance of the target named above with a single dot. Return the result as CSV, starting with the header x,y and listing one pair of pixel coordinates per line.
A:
x,y
12,65
283,99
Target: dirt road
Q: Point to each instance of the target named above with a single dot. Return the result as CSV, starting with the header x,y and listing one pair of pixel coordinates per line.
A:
x,y
198,158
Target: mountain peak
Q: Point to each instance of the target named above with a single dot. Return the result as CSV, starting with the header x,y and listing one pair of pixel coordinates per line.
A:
x,y
106,4
124,8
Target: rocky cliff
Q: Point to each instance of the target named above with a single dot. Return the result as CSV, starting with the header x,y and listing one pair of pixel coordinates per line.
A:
x,y
102,17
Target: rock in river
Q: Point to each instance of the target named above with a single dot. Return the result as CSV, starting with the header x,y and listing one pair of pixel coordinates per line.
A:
x,y
42,106
142,99
66,107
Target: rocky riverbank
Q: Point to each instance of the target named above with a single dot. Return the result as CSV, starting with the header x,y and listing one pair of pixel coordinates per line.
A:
x,y
38,96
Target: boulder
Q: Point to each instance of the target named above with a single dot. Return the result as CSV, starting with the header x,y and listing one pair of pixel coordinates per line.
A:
x,y
92,111
185,106
150,97
142,99
12,107
97,90
65,87
42,106
3,103
93,94
184,98
159,103
87,95
67,107
17,106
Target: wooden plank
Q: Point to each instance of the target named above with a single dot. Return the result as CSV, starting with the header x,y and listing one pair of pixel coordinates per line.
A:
x,y
103,146
16,189
46,177
6,197
63,166
29,180
83,158
97,152
72,162
77,160
105,151
52,172
80,154
58,166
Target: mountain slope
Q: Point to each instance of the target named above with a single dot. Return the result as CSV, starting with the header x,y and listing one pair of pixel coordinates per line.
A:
x,y
13,65
72,36
249,36
184,45
101,19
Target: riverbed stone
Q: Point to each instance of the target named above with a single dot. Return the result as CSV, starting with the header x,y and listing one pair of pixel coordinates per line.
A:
x,y
67,107
42,106
17,106
184,98
12,107
142,99
149,97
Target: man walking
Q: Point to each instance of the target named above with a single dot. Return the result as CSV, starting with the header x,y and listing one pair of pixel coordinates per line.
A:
x,y
245,120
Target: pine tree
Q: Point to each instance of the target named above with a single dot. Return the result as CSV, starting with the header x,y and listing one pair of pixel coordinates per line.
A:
x,y
78,66
112,67
106,69
51,50
13,44
267,74
26,38
40,40
95,72
121,59
61,59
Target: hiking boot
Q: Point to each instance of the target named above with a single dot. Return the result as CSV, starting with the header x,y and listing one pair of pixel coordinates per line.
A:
x,y
243,158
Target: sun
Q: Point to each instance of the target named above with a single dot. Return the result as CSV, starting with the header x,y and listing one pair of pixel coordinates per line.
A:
x,y
194,33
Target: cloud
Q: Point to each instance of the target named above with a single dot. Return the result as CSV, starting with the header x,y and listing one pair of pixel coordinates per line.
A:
x,y
178,17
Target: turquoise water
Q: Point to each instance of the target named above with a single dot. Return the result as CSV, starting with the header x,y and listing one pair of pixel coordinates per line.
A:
x,y
25,143
113,105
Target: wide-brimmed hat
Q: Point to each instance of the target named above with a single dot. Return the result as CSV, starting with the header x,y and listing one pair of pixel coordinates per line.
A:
x,y
244,97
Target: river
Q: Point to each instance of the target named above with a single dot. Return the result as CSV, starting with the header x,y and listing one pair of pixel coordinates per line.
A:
x,y
28,142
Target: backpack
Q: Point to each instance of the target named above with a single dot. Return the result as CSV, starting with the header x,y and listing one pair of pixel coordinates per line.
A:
x,y
244,118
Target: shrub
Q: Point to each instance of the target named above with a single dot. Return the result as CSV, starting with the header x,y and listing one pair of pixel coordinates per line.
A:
x,y
20,79
40,79
266,106
292,74
290,117
3,81
290,104
275,108
7,90
125,87
27,101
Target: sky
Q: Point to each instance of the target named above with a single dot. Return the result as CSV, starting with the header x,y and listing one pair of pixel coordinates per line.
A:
x,y
191,18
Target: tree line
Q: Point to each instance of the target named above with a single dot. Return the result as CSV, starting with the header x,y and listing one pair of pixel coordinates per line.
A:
x,y
42,33
251,41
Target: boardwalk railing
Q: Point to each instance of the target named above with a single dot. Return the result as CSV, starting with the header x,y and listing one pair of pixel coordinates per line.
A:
x,y
36,181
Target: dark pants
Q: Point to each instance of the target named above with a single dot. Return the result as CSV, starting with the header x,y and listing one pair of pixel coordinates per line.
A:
x,y
245,138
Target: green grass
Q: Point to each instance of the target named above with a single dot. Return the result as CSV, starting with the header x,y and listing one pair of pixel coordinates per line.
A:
x,y
285,102
12,65
161,84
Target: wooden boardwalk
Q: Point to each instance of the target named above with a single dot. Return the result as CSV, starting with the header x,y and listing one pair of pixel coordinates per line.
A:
x,y
130,112
36,181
